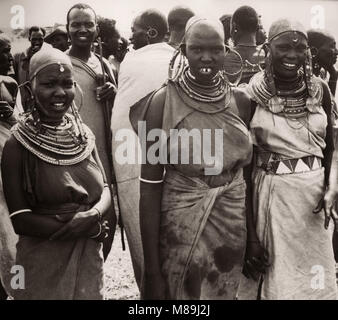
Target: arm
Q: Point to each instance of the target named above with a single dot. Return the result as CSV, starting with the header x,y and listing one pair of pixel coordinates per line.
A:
x,y
27,223
108,89
246,110
90,223
333,79
150,208
24,223
327,202
328,151
256,257
105,202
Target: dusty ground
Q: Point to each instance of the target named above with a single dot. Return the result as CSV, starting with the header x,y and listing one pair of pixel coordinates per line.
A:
x,y
120,283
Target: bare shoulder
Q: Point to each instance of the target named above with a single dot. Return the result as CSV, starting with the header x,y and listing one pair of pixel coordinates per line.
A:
x,y
244,104
155,111
241,95
12,151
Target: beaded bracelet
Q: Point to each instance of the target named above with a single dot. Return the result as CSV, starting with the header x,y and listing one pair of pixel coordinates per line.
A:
x,y
99,233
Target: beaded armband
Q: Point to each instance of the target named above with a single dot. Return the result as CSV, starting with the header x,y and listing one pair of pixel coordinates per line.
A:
x,y
150,181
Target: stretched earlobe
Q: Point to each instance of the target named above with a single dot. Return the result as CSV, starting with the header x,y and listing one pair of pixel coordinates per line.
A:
x,y
266,48
183,49
314,52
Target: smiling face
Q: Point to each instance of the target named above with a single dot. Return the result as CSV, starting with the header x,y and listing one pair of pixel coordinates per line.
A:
x,y
54,92
327,53
288,54
36,40
205,51
6,58
139,37
82,27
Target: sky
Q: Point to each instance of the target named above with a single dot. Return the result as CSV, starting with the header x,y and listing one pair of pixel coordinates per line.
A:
x,y
46,12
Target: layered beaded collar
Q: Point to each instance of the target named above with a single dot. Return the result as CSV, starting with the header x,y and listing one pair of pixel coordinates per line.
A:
x,y
295,102
58,145
203,93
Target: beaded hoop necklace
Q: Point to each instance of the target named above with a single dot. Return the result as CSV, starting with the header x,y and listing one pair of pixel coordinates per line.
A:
x,y
204,93
58,145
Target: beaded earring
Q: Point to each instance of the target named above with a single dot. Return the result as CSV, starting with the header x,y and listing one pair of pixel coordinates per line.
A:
x,y
308,73
177,68
81,134
269,73
275,103
311,101
238,73
36,119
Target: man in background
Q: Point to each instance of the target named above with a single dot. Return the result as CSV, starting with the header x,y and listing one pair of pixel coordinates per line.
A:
x,y
177,19
58,38
36,37
142,71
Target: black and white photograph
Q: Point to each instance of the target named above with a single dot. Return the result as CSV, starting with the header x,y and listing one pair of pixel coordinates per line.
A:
x,y
180,150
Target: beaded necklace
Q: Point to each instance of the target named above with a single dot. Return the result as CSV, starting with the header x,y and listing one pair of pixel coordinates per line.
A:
x,y
59,145
204,93
293,102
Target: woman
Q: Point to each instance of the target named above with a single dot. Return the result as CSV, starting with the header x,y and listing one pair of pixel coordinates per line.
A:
x,y
193,221
292,136
324,56
55,189
244,26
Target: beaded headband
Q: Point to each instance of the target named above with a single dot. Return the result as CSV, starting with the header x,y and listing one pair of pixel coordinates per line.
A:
x,y
282,26
46,57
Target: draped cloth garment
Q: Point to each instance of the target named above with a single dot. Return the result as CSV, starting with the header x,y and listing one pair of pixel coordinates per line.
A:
x,y
203,224
141,72
95,114
60,270
8,237
300,249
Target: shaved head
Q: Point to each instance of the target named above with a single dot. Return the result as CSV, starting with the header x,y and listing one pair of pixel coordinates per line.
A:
x,y
318,37
199,25
178,17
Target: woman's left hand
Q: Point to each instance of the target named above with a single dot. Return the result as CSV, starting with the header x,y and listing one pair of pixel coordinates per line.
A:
x,y
77,227
256,260
328,203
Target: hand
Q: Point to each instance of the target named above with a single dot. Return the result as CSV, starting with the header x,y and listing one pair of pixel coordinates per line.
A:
x,y
154,287
77,227
256,260
328,204
5,110
106,92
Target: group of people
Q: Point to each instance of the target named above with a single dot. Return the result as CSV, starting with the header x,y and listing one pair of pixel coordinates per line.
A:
x,y
263,105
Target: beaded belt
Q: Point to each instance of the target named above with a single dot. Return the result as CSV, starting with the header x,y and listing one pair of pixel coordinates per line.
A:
x,y
288,166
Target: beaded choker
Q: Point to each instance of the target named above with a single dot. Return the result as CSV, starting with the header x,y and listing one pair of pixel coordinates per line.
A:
x,y
58,145
204,93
